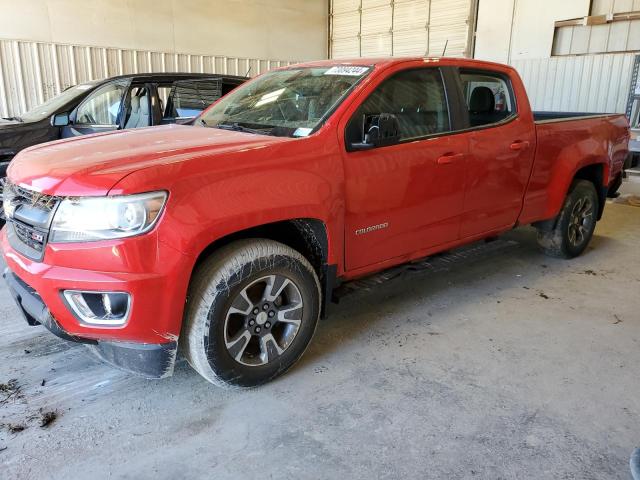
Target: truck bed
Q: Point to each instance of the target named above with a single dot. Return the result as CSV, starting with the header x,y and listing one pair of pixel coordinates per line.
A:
x,y
567,142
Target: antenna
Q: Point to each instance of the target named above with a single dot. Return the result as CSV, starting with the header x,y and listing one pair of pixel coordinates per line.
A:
x,y
445,47
247,74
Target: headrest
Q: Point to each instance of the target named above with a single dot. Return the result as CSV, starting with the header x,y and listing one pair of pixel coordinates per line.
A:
x,y
135,104
482,100
144,105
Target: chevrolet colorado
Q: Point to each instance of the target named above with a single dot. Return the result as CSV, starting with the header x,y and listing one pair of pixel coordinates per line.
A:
x,y
227,238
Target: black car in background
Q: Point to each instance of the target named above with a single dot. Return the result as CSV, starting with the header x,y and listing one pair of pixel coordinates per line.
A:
x,y
117,103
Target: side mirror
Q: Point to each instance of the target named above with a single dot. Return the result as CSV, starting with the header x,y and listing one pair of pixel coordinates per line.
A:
x,y
60,119
379,131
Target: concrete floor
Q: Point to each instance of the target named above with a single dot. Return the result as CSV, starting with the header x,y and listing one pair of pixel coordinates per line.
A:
x,y
508,366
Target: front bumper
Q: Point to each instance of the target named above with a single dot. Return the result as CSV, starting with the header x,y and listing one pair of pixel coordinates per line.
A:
x,y
155,275
147,360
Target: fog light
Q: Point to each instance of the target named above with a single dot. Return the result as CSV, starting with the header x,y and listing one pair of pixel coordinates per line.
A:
x,y
107,309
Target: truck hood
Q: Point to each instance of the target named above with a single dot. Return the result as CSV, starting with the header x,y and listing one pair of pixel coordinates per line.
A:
x,y
92,165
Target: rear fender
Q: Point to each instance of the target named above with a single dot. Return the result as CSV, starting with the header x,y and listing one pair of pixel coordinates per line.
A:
x,y
593,169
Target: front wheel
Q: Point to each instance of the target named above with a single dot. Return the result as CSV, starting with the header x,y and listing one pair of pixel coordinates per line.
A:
x,y
252,309
575,224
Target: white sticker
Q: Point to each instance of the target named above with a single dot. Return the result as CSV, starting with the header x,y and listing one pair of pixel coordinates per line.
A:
x,y
302,132
347,70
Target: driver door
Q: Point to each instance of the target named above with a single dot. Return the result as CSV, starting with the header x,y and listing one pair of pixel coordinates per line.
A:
x,y
406,197
100,112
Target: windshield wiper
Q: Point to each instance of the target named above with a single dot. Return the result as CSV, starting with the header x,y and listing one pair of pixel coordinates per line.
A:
x,y
17,119
236,127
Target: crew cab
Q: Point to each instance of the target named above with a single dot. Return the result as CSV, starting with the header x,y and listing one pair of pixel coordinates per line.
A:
x,y
116,103
226,239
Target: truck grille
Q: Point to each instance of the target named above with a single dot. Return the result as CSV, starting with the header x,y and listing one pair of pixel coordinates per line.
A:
x,y
29,236
28,215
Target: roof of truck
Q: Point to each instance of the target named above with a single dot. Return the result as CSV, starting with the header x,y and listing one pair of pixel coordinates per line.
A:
x,y
388,61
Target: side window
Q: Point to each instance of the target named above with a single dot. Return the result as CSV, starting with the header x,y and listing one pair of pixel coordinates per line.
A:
x,y
416,97
488,95
188,98
103,106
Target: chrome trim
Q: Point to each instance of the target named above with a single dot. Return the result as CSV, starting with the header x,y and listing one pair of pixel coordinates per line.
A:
x,y
105,323
582,117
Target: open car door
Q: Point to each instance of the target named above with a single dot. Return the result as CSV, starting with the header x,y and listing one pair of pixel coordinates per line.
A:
x,y
101,111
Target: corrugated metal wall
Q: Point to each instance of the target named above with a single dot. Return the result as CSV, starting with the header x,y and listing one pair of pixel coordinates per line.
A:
x,y
32,72
620,36
602,7
370,28
587,83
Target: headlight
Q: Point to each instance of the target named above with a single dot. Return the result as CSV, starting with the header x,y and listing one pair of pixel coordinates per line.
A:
x,y
87,219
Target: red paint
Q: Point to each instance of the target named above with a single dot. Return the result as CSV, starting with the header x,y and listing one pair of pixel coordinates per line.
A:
x,y
434,194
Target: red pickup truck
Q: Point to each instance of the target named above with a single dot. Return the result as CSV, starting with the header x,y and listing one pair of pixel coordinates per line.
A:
x,y
226,238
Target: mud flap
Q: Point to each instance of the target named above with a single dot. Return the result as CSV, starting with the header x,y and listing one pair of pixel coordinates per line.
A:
x,y
147,360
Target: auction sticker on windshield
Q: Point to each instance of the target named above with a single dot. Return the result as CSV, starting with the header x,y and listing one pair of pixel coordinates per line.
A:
x,y
302,132
347,70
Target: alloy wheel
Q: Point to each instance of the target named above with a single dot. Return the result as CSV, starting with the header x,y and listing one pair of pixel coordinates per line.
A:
x,y
263,320
580,221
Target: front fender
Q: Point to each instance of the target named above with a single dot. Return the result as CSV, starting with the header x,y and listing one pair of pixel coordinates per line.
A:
x,y
211,198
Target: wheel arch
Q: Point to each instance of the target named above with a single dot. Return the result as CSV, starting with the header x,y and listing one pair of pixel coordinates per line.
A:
x,y
592,172
309,236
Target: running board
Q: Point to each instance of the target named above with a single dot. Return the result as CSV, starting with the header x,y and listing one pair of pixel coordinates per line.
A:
x,y
442,262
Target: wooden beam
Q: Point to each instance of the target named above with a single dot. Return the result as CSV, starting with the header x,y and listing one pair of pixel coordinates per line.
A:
x,y
598,19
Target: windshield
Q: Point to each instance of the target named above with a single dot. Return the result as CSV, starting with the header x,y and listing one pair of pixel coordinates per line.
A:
x,y
292,102
52,105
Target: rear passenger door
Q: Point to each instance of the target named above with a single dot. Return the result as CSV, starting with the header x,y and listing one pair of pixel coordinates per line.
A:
x,y
501,149
405,197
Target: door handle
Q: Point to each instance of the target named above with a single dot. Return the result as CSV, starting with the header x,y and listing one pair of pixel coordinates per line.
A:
x,y
519,145
449,158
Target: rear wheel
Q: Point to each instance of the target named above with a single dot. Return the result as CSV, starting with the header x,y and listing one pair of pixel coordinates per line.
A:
x,y
575,224
252,309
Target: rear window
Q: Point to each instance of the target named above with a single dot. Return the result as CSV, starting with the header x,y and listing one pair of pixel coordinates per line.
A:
x,y
188,98
489,97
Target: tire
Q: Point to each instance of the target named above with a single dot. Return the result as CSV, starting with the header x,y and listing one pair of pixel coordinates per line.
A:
x,y
236,331
575,224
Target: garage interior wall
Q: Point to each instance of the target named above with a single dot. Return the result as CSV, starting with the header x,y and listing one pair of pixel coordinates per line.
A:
x,y
510,30
620,31
585,83
48,45
522,32
380,28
